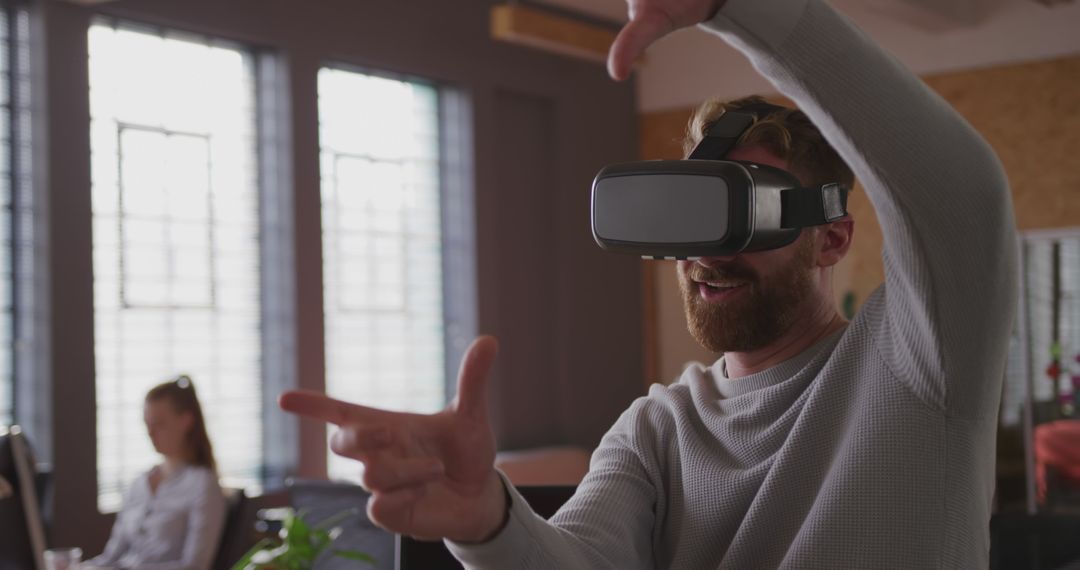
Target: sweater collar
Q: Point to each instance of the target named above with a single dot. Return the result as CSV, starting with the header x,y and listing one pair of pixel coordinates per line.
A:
x,y
732,387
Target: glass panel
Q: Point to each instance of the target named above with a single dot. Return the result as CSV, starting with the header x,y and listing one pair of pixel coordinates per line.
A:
x,y
7,379
1038,461
382,252
176,251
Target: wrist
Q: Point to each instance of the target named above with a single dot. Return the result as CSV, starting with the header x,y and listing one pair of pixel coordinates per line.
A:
x,y
496,513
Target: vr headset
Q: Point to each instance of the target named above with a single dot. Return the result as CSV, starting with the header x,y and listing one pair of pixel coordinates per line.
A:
x,y
705,205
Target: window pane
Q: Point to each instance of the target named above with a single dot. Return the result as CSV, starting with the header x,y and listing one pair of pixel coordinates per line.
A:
x,y
382,256
176,251
17,253
1052,268
6,245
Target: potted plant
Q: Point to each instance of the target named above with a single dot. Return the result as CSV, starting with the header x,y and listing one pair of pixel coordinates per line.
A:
x,y
299,544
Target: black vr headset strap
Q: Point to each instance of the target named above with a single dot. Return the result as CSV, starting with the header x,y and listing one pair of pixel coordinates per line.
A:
x,y
721,137
804,207
800,207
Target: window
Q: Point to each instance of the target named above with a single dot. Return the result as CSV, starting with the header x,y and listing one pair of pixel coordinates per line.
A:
x,y
1042,378
7,384
15,213
1051,314
176,243
382,244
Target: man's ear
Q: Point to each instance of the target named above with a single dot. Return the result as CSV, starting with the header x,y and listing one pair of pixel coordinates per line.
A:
x,y
834,240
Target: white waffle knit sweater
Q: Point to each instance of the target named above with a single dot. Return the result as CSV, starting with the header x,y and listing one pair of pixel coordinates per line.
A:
x,y
875,448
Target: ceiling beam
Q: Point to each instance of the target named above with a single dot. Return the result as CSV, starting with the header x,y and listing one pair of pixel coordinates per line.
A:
x,y
549,31
936,15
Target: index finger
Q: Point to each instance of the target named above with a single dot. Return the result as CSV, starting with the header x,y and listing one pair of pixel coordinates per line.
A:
x,y
324,408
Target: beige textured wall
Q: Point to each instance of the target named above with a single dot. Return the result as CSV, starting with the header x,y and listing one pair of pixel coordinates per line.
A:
x,y
1029,113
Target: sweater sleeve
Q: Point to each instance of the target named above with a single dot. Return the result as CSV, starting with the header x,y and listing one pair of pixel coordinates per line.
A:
x,y
938,190
113,549
607,524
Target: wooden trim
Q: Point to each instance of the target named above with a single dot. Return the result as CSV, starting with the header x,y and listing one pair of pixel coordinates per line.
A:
x,y
528,26
650,355
660,135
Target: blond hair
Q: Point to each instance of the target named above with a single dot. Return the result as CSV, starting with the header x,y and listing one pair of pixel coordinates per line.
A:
x,y
786,133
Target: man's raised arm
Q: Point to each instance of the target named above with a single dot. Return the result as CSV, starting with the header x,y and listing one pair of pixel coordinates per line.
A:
x,y
938,189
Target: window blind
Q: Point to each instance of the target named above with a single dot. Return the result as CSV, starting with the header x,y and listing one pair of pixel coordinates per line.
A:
x,y
16,215
176,243
382,244
1052,305
7,369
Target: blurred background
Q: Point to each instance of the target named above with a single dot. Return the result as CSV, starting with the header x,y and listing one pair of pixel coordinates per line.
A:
x,y
339,195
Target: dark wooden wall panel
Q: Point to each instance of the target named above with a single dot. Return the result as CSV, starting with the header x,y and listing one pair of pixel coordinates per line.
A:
x,y
519,302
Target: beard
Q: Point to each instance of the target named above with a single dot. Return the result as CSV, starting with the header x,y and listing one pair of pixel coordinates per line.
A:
x,y
758,316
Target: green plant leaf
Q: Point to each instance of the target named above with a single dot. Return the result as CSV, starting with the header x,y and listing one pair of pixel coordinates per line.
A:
x,y
242,564
354,555
320,539
299,545
296,530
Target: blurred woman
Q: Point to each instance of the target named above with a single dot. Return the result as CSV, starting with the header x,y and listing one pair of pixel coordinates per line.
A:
x,y
173,514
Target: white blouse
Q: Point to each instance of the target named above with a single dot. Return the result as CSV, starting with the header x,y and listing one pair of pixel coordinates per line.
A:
x,y
176,528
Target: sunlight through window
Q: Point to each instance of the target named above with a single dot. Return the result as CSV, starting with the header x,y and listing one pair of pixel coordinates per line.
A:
x,y
382,255
16,212
176,247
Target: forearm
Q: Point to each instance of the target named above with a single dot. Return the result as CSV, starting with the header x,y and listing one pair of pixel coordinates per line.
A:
x,y
595,540
939,191
114,548
205,523
608,523
523,541
905,143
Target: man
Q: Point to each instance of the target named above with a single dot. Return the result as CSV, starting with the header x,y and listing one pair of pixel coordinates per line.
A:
x,y
813,443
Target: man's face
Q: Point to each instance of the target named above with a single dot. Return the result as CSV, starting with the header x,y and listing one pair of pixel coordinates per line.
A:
x,y
745,302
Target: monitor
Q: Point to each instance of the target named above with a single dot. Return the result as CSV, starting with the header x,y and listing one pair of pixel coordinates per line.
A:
x,y
20,518
317,501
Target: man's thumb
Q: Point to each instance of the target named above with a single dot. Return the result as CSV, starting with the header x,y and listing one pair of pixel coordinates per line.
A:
x,y
471,397
646,27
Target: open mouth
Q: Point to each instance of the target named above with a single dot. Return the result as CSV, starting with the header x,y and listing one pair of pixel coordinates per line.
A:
x,y
720,286
713,291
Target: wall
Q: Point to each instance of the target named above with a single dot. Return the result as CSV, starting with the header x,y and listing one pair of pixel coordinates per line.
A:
x,y
691,65
1029,113
539,127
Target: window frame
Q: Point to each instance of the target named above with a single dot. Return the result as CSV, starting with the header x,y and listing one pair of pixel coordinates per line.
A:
x,y
276,312
29,355
1025,353
456,182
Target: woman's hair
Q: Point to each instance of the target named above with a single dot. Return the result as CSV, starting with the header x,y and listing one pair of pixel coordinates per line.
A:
x,y
180,393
